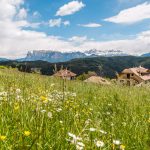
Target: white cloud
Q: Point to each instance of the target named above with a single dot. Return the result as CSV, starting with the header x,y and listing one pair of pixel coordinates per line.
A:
x,y
78,39
66,23
132,15
91,25
22,13
36,14
15,41
58,22
55,22
70,8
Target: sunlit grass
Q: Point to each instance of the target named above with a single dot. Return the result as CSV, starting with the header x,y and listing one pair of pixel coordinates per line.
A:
x,y
38,112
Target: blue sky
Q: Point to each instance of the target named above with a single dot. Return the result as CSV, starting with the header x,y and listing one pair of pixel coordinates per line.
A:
x,y
74,25
95,12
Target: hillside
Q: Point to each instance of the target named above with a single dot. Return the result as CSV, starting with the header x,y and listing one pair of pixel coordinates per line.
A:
x,y
104,66
40,112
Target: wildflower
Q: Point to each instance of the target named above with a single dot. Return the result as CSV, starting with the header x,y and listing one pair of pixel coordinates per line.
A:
x,y
113,146
75,138
79,146
2,138
59,110
72,135
18,91
43,111
103,132
99,143
122,147
108,113
112,124
16,107
149,120
49,114
109,104
92,129
61,121
44,99
116,142
27,133
52,85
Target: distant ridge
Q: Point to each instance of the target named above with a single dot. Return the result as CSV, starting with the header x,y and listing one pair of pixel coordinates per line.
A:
x,y
56,56
4,59
146,55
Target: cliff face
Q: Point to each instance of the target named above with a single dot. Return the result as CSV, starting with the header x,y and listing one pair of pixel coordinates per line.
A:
x,y
56,56
53,56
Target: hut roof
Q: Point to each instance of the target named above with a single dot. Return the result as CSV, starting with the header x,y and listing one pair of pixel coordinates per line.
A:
x,y
138,71
64,73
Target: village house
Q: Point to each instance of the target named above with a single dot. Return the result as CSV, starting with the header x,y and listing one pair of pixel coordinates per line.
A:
x,y
133,76
65,74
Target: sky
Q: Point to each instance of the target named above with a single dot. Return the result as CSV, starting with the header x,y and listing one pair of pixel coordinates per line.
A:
x,y
74,25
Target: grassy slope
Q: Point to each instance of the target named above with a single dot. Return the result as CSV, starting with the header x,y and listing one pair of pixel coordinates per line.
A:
x,y
123,112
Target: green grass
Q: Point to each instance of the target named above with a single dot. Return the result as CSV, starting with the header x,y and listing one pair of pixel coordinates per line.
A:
x,y
50,108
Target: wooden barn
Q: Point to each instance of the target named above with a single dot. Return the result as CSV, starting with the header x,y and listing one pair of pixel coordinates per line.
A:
x,y
65,74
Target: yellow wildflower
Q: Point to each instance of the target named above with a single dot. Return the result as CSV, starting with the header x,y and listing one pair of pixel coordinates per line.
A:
x,y
2,138
149,120
113,146
122,147
27,133
16,106
44,99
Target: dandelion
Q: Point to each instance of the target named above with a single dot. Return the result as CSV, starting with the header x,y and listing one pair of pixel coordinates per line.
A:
x,y
44,99
99,143
2,138
27,133
122,147
116,142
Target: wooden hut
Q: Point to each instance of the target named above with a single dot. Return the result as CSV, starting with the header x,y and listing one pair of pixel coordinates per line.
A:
x,y
65,74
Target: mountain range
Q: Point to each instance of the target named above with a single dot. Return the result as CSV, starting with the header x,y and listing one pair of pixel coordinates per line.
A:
x,y
57,56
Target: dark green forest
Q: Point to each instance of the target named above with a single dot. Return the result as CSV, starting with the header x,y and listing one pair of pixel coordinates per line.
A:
x,y
104,66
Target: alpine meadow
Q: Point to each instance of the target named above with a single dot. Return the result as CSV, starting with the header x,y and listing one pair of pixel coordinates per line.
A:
x,y
74,74
41,112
